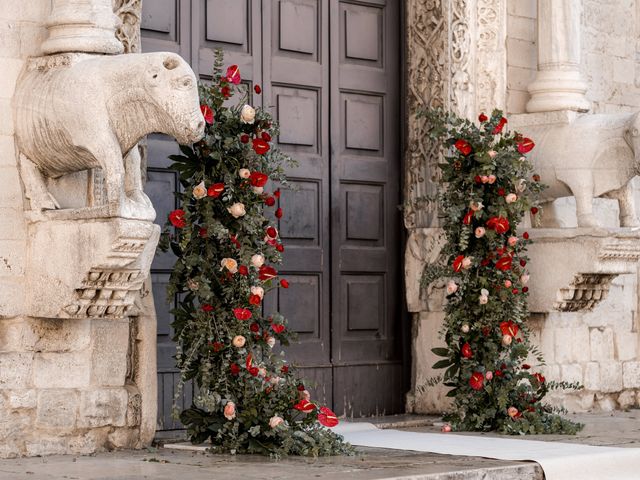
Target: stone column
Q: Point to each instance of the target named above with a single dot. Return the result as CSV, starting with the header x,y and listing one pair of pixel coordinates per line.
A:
x,y
82,26
558,84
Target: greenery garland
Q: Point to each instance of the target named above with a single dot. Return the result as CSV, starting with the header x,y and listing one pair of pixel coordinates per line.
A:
x,y
248,398
488,186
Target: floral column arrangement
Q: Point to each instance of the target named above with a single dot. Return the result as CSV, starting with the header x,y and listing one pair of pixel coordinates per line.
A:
x,y
487,187
248,399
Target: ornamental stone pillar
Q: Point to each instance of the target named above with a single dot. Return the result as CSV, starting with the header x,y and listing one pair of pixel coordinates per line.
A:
x,y
82,26
558,84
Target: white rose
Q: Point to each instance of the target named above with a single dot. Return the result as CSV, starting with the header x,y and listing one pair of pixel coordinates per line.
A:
x,y
524,278
511,197
238,341
475,206
506,340
275,421
466,262
492,153
248,114
244,173
484,292
258,291
480,231
199,191
465,328
237,210
258,190
483,299
271,341
257,260
452,287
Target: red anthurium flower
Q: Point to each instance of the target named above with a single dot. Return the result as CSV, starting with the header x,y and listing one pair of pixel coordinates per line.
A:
x,y
466,351
526,145
509,328
277,327
215,190
233,74
207,308
202,232
255,300
257,89
499,224
504,264
258,179
457,263
235,369
463,147
476,381
305,406
207,113
499,126
279,213
267,273
260,146
226,91
327,418
243,270
242,313
265,136
483,118
284,283
539,377
177,218
269,201
249,361
467,218
253,371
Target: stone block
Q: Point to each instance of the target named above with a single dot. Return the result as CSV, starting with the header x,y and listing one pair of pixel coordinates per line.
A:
x,y
62,335
601,343
18,399
102,407
109,352
43,445
580,348
32,35
124,437
521,53
62,370
626,344
57,409
571,373
563,345
11,69
523,28
10,40
13,226
32,11
12,291
592,376
517,101
16,335
523,8
519,78
610,377
12,258
15,370
10,187
606,403
627,400
631,374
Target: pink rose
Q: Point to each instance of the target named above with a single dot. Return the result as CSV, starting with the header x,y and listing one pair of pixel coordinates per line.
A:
x,y
466,262
480,231
238,341
452,287
230,411
511,197
492,179
507,283
512,412
488,375
492,153
512,241
275,421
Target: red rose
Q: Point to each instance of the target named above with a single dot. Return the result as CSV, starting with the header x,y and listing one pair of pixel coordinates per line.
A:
x,y
284,283
485,262
202,233
215,190
483,118
509,328
255,300
254,327
526,145
267,273
463,147
280,247
525,289
501,192
515,291
266,137
244,138
260,146
476,381
177,218
499,224
523,263
278,328
504,264
277,193
300,387
217,346
525,235
233,74
207,113
257,89
499,126
539,378
243,270
467,218
279,213
477,179
258,179
304,406
225,91
253,371
498,373
457,263
269,201
207,308
235,369
242,313
534,210
466,351
285,369
327,418
272,232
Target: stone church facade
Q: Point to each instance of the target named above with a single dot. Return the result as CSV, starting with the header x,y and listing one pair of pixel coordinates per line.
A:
x,y
78,325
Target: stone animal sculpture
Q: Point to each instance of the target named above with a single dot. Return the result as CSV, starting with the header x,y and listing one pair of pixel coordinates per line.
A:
x,y
591,156
75,112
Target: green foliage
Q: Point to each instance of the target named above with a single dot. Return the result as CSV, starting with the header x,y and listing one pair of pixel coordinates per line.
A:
x,y
246,391
488,186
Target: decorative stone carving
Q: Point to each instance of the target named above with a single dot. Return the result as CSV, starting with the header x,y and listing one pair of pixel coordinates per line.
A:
x,y
558,84
423,248
74,112
578,265
586,156
128,32
82,26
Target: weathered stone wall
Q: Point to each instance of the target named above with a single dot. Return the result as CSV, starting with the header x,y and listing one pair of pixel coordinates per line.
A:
x,y
66,385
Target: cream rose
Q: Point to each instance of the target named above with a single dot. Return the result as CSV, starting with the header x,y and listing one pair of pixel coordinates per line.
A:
x,y
248,114
237,210
257,291
492,153
258,190
465,328
480,231
271,341
199,191
484,296
230,411
275,421
524,278
257,260
244,173
522,185
238,341
230,264
466,262
511,197
506,340
452,287
275,380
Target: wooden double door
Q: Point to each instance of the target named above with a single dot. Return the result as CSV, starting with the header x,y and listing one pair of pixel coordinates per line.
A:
x,y
330,74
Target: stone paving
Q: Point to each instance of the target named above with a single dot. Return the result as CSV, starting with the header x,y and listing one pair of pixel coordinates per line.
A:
x,y
612,429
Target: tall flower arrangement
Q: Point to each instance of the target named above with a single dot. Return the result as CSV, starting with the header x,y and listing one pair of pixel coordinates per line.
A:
x,y
248,399
488,186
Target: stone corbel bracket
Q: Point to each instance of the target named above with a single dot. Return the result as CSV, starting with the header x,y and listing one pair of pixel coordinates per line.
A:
x,y
99,272
572,269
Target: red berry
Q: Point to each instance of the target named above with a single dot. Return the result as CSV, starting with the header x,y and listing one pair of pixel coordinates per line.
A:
x,y
257,89
525,235
269,201
284,283
525,289
534,210
279,213
523,263
514,291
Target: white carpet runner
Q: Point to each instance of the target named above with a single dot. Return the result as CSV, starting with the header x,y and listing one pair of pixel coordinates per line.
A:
x,y
560,461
